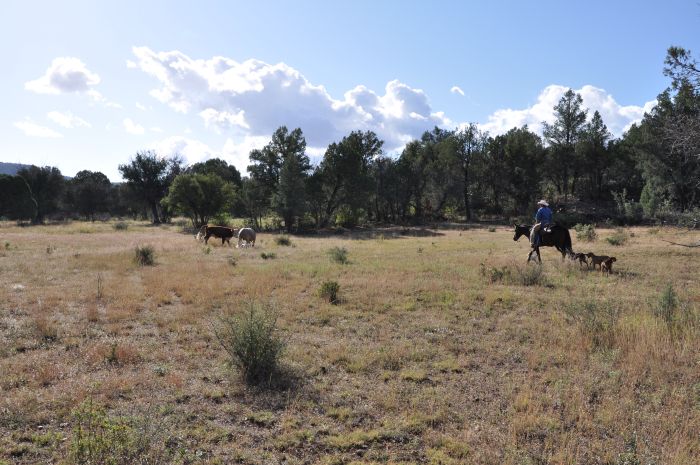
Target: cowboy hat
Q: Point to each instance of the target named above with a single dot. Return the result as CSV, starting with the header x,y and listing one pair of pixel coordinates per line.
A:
x,y
543,203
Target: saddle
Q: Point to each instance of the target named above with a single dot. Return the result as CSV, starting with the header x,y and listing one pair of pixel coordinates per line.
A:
x,y
547,228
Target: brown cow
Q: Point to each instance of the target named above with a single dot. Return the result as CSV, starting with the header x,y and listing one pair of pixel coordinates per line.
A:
x,y
222,232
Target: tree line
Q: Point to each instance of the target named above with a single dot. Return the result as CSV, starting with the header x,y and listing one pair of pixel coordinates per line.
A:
x,y
651,172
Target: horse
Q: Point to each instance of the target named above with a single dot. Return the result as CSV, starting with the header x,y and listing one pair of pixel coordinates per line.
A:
x,y
559,237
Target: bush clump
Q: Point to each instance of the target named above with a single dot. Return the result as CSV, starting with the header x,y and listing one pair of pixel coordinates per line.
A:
x,y
339,255
677,315
495,274
530,275
145,256
101,439
252,342
598,322
268,256
329,291
284,241
618,238
121,226
585,232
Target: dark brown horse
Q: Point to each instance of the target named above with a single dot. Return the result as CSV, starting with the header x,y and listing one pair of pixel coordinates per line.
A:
x,y
559,237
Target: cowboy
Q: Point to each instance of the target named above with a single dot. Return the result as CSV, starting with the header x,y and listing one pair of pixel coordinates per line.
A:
x,y
542,217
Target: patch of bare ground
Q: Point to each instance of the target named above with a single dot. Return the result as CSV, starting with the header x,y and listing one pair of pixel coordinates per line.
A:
x,y
438,352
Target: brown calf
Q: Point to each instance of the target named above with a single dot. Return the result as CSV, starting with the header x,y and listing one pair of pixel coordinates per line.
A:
x,y
222,232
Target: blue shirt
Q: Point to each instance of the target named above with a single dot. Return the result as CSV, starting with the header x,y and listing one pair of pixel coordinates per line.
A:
x,y
544,215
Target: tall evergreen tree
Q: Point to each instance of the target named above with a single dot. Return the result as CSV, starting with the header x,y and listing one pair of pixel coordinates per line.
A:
x,y
267,162
562,136
289,201
594,154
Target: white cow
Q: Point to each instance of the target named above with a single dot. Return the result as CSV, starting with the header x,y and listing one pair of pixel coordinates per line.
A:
x,y
246,235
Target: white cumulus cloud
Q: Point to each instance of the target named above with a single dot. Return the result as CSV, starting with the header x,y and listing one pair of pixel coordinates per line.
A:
x,y
255,98
192,150
65,75
67,120
30,128
457,90
617,117
132,128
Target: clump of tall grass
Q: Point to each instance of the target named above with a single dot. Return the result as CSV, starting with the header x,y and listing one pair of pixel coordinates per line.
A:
x,y
530,275
495,274
121,226
585,232
145,256
677,315
268,255
339,255
618,238
100,438
514,274
252,342
329,291
284,241
599,322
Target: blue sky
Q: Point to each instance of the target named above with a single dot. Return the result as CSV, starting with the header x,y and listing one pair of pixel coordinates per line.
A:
x,y
87,83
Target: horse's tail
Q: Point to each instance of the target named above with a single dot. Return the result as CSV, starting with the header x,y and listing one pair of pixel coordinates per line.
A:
x,y
567,242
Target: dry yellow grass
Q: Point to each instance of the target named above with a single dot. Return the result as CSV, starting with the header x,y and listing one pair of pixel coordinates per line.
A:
x,y
428,358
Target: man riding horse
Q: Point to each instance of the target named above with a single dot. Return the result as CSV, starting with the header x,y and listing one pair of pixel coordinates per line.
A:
x,y
543,218
557,235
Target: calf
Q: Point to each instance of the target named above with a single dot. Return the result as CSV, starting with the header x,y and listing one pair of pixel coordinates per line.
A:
x,y
222,232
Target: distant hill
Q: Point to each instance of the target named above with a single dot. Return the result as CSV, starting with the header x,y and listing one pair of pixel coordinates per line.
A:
x,y
11,168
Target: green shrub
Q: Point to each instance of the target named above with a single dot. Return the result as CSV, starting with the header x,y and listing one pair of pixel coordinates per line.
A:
x,y
268,256
100,439
283,241
585,232
494,274
252,343
221,219
598,322
329,291
145,256
667,305
492,229
121,226
339,255
618,238
530,275
629,211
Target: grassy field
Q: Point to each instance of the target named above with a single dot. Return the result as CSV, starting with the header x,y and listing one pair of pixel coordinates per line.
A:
x,y
444,348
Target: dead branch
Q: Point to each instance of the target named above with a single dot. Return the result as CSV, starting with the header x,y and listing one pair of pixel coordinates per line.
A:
x,y
682,245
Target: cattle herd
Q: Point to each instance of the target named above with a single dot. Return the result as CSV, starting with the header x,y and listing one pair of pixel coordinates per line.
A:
x,y
246,236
